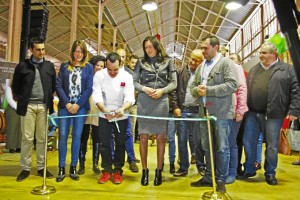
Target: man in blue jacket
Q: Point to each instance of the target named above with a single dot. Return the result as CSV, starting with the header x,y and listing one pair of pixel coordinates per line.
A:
x,y
33,87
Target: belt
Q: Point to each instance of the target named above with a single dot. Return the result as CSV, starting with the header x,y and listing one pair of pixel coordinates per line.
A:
x,y
191,109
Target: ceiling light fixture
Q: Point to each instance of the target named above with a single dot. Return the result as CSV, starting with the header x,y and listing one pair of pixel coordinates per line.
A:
x,y
235,4
149,5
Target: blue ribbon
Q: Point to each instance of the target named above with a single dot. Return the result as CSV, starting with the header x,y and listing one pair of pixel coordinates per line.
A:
x,y
51,118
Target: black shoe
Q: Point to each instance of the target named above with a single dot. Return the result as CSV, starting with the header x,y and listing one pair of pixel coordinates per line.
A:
x,y
12,151
158,177
271,180
201,183
41,173
245,175
221,187
172,168
296,162
73,174
18,150
96,153
81,169
180,173
61,174
96,169
257,166
239,170
23,175
201,171
145,177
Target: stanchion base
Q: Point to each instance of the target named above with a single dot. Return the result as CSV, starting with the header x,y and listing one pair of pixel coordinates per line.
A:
x,y
214,196
42,190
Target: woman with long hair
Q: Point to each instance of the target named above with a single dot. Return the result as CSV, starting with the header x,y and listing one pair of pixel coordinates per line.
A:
x,y
154,77
74,87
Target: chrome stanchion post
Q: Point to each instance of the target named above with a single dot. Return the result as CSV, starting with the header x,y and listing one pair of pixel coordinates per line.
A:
x,y
214,195
44,189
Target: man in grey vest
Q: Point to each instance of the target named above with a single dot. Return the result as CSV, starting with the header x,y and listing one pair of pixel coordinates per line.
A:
x,y
33,87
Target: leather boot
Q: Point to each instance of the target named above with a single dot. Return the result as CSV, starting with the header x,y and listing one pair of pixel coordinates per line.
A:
x,y
96,158
172,168
82,152
145,177
73,174
158,177
61,174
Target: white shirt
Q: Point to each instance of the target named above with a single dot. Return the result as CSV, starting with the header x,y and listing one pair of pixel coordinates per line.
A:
x,y
271,65
9,97
206,69
113,92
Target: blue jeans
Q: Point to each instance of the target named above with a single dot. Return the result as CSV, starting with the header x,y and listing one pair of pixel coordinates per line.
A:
x,y
171,139
129,143
220,134
192,143
64,128
256,123
233,160
259,148
185,128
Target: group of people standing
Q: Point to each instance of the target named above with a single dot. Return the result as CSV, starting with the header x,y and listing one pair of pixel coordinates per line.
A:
x,y
210,83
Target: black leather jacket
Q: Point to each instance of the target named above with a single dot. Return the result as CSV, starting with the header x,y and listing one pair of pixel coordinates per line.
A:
x,y
177,97
161,76
23,80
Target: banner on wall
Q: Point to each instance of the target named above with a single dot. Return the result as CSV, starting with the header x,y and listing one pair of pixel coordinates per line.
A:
x,y
6,72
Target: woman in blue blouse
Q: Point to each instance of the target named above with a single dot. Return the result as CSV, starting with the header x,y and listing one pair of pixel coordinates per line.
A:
x,y
73,87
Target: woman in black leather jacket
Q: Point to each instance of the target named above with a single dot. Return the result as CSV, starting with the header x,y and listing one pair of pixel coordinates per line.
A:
x,y
154,77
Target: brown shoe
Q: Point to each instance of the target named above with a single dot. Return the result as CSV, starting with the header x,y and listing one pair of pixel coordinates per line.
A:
x,y
137,160
133,167
180,173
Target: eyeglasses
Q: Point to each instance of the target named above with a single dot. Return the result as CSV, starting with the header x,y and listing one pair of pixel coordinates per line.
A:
x,y
78,52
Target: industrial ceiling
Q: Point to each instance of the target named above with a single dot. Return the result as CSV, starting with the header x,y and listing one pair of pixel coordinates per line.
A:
x,y
180,22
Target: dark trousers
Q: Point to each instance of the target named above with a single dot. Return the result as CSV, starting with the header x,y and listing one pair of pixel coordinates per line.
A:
x,y
86,133
106,129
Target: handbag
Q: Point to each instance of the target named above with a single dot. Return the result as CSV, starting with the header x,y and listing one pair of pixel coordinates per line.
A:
x,y
294,136
283,145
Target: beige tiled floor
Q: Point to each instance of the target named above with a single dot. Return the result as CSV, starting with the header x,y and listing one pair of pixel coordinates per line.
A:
x,y
172,188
